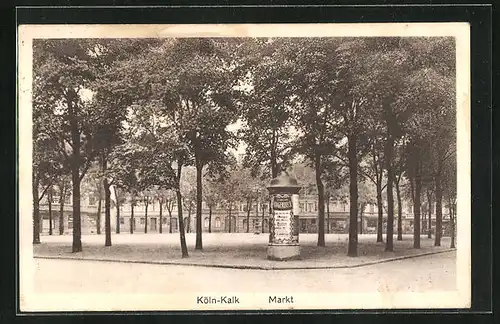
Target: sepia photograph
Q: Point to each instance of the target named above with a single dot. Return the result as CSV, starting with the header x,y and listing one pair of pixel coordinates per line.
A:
x,y
244,167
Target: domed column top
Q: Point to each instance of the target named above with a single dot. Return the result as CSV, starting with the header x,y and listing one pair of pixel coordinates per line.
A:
x,y
283,183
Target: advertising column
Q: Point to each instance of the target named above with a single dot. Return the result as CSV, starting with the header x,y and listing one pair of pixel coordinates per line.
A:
x,y
283,232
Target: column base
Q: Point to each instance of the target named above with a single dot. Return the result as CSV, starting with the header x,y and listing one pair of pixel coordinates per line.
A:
x,y
283,252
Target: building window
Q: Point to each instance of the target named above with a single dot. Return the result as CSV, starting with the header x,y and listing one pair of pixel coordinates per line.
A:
x,y
174,224
313,221
310,206
315,206
92,200
372,208
206,222
254,223
122,221
164,221
301,207
217,222
142,221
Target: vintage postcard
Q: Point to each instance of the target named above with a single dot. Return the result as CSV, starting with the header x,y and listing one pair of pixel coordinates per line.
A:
x,y
244,167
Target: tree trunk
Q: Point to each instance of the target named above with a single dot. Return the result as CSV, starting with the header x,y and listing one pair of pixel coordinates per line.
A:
x,y
274,167
210,218
321,200
62,188
257,213
249,205
416,206
439,210
452,224
189,218
117,211
424,220
389,245
229,228
263,218
161,215
199,199
77,225
36,209
170,217
429,221
75,176
107,210
380,210
353,195
328,214
274,157
132,219
400,210
49,199
178,193
429,218
146,205
98,218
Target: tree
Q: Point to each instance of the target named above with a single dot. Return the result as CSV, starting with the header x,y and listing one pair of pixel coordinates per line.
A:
x,y
365,197
387,66
112,57
64,190
428,93
433,129
266,110
231,193
49,201
146,200
373,170
169,200
62,70
247,187
119,199
189,82
450,193
188,189
428,186
399,168
315,143
352,104
124,164
211,196
48,163
160,194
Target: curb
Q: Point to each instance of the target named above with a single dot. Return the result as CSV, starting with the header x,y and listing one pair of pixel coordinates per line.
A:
x,y
247,267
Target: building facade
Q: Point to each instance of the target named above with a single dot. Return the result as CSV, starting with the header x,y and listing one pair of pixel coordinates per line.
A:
x,y
220,218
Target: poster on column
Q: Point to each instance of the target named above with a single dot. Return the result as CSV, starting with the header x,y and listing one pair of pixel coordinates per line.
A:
x,y
283,213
